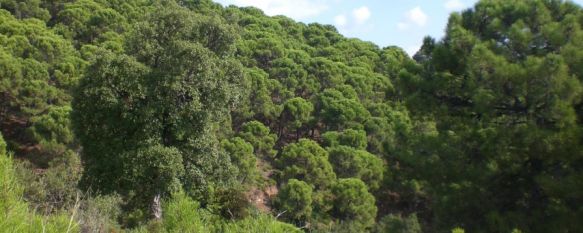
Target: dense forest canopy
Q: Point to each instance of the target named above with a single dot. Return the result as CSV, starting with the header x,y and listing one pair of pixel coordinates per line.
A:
x,y
187,116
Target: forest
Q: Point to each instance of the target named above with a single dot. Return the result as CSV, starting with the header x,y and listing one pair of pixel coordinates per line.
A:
x,y
169,116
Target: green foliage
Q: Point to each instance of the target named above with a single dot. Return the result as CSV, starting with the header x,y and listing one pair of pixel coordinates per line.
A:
x,y
350,137
2,146
398,224
185,215
53,127
458,230
390,130
339,109
152,170
261,223
16,215
297,112
153,108
352,163
353,204
260,137
89,22
26,9
505,103
242,156
481,129
38,67
56,188
259,103
232,203
99,214
295,200
306,161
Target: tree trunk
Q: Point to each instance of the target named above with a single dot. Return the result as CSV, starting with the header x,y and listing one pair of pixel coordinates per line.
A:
x,y
157,208
298,135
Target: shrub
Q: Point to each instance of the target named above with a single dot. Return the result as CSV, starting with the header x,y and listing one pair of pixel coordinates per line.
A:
x,y
99,214
53,189
16,215
182,214
399,224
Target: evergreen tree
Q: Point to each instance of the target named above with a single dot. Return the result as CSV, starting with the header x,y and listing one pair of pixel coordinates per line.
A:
x,y
295,200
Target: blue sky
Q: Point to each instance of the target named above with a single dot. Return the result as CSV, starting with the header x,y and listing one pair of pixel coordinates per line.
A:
x,y
385,22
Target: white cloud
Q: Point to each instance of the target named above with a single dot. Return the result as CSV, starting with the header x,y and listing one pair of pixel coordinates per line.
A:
x,y
340,20
296,9
415,16
454,5
361,15
354,22
402,26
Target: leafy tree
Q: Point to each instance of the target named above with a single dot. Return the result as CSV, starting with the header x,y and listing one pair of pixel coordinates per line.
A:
x,y
306,161
341,108
88,21
152,170
259,103
53,133
350,137
297,112
37,69
390,129
54,126
328,73
26,9
480,129
265,50
295,198
243,158
505,103
352,163
151,112
371,87
260,137
392,61
353,204
293,77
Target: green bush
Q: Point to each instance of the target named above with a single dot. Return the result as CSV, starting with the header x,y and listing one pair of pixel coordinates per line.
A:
x,y
55,188
2,145
16,215
398,224
182,214
100,214
232,203
258,224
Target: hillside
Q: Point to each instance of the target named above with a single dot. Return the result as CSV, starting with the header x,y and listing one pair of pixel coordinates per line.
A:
x,y
187,116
